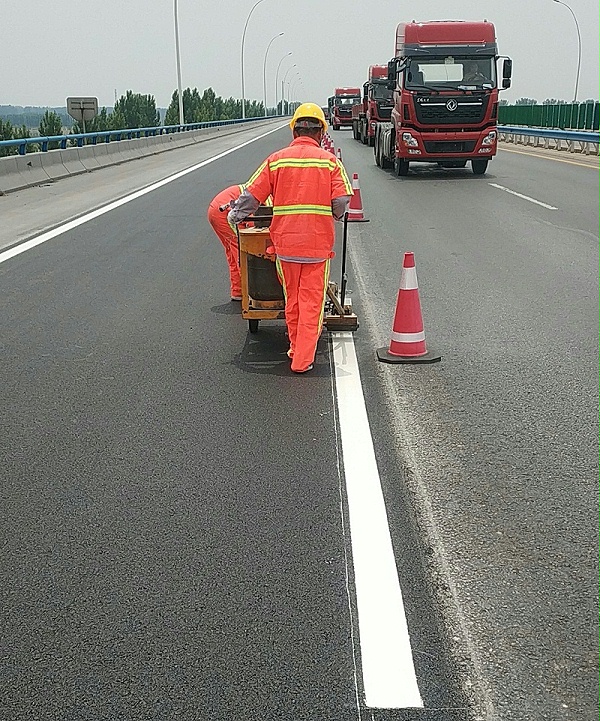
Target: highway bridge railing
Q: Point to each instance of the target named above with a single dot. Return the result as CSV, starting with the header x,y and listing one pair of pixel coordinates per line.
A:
x,y
65,155
573,141
565,116
43,144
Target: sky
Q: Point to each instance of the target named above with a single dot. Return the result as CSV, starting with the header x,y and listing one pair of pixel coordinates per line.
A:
x,y
49,51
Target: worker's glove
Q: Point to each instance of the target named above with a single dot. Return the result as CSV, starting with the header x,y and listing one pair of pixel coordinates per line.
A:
x,y
233,218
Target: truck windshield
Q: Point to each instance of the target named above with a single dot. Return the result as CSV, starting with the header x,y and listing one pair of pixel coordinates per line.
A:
x,y
450,72
381,92
348,101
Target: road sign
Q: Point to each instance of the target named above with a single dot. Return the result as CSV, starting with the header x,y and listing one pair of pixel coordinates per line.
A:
x,y
82,109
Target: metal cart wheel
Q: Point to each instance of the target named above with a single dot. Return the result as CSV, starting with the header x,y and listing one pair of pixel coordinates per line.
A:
x,y
253,325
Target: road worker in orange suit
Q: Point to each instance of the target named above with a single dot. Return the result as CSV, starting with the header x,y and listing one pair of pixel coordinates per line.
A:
x,y
217,217
310,189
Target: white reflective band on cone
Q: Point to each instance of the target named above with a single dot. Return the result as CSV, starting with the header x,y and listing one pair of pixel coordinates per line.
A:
x,y
408,337
355,184
408,280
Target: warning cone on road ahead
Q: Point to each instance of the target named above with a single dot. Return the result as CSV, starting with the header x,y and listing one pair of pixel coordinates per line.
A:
x,y
339,154
408,336
355,209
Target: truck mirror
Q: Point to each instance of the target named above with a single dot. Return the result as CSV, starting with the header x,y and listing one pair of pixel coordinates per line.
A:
x,y
392,70
506,70
505,83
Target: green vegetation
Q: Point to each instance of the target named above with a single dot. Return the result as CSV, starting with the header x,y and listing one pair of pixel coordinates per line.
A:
x,y
50,125
8,131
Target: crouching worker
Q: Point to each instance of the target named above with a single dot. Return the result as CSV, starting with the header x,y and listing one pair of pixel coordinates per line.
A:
x,y
225,231
310,188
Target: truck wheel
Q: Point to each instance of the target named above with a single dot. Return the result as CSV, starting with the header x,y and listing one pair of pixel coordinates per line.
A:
x,y
354,131
335,127
400,166
479,165
364,138
253,325
376,152
371,140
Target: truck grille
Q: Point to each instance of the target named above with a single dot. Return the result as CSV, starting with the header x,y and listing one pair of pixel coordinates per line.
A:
x,y
453,110
384,113
435,147
345,113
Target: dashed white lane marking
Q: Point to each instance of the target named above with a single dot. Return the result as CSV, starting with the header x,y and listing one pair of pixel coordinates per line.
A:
x,y
525,197
28,244
388,670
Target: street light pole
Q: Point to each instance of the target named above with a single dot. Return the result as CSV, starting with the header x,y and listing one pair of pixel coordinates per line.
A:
x,y
292,88
243,40
578,46
277,81
179,93
265,71
283,85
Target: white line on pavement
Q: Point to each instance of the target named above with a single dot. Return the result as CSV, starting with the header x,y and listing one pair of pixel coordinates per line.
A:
x,y
28,244
525,197
387,664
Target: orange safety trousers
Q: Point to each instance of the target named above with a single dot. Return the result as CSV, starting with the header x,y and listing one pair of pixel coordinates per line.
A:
x,y
228,238
305,288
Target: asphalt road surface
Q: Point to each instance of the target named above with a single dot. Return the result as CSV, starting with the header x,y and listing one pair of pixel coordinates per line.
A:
x,y
183,534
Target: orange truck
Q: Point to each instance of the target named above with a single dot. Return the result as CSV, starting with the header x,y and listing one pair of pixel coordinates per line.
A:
x,y
444,77
375,106
340,106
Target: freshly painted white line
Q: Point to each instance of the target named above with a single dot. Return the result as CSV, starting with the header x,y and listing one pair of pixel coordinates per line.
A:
x,y
28,244
388,671
525,197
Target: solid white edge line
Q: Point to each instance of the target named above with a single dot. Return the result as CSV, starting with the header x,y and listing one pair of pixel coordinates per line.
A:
x,y
389,677
525,197
38,240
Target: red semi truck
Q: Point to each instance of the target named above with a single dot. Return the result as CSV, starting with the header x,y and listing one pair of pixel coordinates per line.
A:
x,y
375,106
444,79
340,106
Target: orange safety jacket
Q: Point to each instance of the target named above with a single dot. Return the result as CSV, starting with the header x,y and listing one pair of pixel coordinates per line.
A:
x,y
303,179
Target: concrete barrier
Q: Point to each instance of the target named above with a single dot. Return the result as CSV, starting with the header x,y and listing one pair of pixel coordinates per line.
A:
x,y
87,157
24,171
52,163
30,170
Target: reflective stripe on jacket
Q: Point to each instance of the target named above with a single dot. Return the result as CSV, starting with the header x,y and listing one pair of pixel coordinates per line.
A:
x,y
303,180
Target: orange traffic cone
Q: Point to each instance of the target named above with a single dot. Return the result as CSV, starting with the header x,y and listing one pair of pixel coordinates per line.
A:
x,y
355,209
408,337
339,154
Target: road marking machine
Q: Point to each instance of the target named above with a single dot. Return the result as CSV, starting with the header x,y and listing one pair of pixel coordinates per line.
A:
x,y
262,294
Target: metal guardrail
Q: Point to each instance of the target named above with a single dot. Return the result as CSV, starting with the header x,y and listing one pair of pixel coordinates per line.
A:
x,y
107,136
573,141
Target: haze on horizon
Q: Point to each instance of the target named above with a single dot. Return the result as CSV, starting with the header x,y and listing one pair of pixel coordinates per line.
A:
x,y
75,49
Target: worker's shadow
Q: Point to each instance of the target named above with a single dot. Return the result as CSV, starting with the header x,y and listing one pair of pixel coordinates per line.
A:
x,y
265,353
226,308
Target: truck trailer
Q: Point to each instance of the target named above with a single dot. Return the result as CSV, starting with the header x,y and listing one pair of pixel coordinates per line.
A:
x,y
444,79
340,106
375,106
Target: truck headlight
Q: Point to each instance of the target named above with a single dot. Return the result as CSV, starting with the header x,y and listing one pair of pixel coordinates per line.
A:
x,y
490,138
409,140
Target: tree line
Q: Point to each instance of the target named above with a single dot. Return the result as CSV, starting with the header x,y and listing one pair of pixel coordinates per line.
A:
x,y
134,110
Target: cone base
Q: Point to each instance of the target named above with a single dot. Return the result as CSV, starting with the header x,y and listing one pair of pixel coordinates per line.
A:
x,y
358,220
385,356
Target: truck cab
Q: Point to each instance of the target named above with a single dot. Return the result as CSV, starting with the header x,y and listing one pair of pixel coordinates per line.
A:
x,y
375,106
445,83
340,106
